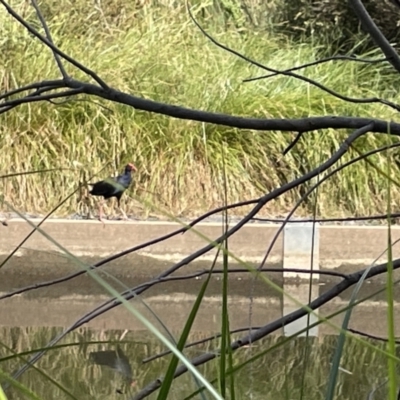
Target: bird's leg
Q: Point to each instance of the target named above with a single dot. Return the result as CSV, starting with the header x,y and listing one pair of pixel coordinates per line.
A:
x,y
88,204
124,217
101,212
115,215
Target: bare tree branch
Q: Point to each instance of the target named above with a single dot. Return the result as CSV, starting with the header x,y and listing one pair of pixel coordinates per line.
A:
x,y
55,49
377,36
322,220
247,329
302,124
263,200
310,190
55,84
293,143
49,38
273,326
290,125
345,165
317,62
291,74
4,107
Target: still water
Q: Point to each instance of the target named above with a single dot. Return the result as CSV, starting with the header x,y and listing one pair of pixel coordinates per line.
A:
x,y
85,371
117,369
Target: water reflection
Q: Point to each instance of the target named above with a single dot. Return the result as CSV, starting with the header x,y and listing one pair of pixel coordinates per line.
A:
x,y
117,361
114,370
91,371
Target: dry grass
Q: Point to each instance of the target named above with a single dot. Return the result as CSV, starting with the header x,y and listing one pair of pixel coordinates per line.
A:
x,y
157,53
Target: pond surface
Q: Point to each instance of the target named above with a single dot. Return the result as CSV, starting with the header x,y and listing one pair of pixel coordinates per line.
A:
x,y
85,370
288,371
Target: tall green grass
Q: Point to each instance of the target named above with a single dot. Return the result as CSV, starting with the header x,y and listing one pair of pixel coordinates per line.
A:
x,y
156,52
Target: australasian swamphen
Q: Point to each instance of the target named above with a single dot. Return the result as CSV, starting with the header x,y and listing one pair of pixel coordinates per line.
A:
x,y
113,187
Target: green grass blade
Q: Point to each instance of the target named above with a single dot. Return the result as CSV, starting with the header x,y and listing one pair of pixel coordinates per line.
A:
x,y
169,376
225,330
22,388
321,320
342,337
2,394
126,303
391,344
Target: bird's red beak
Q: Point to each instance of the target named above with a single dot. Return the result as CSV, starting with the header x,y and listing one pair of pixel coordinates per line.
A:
x,y
133,167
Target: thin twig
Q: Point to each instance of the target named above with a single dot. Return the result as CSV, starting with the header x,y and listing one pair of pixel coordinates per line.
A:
x,y
36,98
52,46
326,220
292,143
55,84
291,74
197,342
312,63
369,336
312,188
49,38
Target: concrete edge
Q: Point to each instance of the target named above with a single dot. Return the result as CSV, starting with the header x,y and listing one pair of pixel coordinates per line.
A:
x,y
338,245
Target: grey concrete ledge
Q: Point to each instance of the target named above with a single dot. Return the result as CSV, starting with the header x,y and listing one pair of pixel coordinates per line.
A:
x,y
338,245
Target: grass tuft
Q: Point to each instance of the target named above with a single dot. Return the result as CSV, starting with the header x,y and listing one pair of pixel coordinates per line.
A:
x,y
157,53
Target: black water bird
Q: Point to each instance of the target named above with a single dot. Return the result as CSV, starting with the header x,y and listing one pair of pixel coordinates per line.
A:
x,y
113,187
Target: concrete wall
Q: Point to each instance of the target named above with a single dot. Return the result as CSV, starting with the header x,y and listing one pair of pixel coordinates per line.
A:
x,y
338,245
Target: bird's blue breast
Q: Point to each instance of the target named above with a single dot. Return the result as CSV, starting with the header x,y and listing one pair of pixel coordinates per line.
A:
x,y
124,180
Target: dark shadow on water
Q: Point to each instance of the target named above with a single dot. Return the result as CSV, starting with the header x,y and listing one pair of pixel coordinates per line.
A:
x,y
171,300
132,270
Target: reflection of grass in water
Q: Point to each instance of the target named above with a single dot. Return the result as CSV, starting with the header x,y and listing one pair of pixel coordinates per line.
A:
x,y
273,375
164,57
